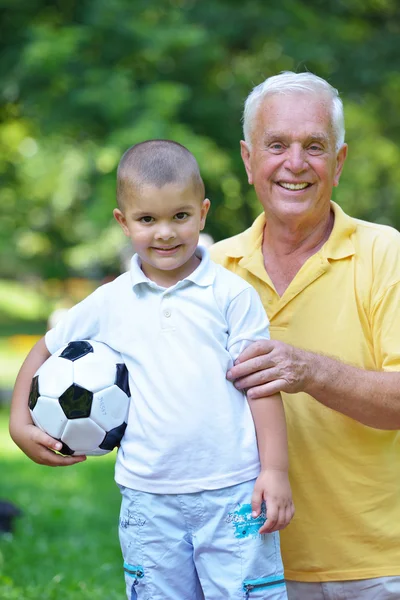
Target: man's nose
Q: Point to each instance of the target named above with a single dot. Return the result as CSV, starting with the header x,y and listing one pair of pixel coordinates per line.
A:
x,y
296,159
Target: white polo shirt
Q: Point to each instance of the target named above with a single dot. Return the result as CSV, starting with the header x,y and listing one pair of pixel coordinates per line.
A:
x,y
189,429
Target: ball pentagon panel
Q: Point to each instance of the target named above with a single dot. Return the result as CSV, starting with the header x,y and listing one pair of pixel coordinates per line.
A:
x,y
76,402
75,350
122,379
113,438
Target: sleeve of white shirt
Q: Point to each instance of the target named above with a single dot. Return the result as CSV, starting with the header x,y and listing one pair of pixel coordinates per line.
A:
x,y
81,322
247,321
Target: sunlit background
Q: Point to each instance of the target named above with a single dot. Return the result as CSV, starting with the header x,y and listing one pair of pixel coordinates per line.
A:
x,y
81,81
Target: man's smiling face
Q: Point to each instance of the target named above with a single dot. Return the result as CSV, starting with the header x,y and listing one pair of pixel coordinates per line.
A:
x,y
292,162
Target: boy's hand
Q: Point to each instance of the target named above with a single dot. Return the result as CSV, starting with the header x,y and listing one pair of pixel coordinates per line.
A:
x,y
41,448
273,488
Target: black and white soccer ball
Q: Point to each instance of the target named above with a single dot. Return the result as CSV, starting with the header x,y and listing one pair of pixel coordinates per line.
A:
x,y
80,396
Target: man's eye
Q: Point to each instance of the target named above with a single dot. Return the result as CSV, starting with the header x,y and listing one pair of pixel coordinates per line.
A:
x,y
315,148
276,147
146,219
181,215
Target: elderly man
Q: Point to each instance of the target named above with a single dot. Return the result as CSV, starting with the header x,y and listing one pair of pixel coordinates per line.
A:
x,y
330,285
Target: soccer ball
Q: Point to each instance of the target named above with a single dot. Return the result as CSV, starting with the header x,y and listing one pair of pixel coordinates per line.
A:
x,y
80,396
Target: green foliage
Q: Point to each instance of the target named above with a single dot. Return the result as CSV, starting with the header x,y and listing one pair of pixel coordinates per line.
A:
x,y
82,81
66,542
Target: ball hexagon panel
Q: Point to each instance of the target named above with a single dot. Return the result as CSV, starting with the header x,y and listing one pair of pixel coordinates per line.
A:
x,y
55,376
76,402
94,373
110,407
49,416
82,435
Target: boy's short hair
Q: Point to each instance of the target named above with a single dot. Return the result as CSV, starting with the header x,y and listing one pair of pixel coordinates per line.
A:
x,y
157,162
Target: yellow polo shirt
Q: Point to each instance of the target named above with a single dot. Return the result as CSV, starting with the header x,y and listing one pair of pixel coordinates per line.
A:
x,y
344,302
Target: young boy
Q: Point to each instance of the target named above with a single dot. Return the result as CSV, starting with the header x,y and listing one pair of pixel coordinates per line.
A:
x,y
193,521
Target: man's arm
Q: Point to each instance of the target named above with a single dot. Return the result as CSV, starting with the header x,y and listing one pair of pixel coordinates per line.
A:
x,y
272,485
33,441
370,397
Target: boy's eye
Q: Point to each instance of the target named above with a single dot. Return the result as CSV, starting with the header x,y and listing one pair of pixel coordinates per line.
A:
x,y
181,215
146,219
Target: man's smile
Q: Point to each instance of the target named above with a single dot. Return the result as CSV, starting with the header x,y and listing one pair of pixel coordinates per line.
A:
x,y
293,186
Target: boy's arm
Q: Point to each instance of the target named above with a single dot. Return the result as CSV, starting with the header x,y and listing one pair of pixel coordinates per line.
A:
x,y
272,485
248,323
33,441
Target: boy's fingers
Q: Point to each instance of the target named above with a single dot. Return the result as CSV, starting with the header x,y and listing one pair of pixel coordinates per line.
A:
x,y
40,437
256,500
283,518
64,461
272,516
290,512
49,458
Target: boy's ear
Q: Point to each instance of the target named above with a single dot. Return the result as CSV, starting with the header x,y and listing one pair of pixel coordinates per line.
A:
x,y
121,220
205,207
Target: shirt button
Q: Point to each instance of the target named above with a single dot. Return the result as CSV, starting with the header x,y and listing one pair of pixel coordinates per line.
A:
x,y
167,313
166,296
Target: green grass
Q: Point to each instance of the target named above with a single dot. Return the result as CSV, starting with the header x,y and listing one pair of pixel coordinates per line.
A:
x,y
65,545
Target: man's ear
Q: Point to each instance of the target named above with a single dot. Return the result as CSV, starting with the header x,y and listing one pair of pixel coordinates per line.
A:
x,y
245,153
340,158
121,220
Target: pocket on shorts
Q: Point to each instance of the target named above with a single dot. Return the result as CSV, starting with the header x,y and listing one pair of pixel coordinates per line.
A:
x,y
133,576
256,588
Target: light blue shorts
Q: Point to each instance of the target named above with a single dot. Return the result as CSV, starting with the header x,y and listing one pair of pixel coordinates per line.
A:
x,y
198,546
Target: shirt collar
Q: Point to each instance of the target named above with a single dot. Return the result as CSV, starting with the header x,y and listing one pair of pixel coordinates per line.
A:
x,y
338,245
203,276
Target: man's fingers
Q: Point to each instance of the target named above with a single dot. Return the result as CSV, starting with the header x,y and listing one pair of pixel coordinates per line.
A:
x,y
256,349
254,379
269,389
252,365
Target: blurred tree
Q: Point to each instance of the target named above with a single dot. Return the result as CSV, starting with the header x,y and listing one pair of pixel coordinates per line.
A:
x,y
82,81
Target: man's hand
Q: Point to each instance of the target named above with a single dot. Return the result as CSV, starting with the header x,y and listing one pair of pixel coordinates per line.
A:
x,y
267,367
41,448
273,488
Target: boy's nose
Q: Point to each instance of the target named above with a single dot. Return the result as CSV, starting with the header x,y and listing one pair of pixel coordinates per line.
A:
x,y
165,233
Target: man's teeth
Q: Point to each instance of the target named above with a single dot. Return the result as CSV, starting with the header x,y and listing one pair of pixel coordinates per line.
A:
x,y
293,186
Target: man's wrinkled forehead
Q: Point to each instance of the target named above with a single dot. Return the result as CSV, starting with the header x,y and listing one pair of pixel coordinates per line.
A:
x,y
283,114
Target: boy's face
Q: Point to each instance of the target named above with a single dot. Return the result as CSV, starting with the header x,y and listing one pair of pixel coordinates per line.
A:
x,y
164,225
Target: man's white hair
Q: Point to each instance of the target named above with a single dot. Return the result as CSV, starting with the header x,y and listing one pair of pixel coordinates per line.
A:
x,y
289,82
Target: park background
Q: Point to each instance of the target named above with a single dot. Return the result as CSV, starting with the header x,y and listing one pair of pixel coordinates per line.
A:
x,y
80,83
